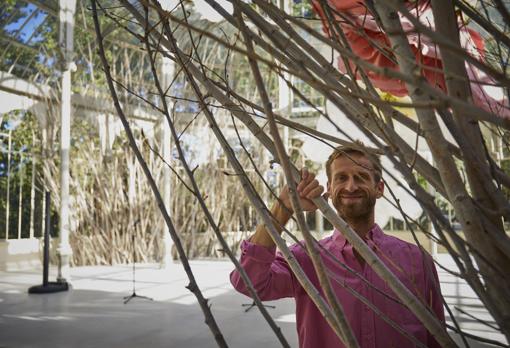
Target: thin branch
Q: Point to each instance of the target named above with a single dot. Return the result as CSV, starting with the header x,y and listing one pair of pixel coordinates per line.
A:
x,y
193,287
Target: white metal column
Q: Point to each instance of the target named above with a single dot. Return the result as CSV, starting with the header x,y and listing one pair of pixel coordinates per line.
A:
x,y
433,244
167,72
8,199
66,20
285,101
285,104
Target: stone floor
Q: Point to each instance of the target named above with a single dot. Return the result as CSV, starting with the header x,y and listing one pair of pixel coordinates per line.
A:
x,y
93,314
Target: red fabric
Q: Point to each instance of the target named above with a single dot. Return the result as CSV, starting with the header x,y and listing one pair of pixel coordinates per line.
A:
x,y
364,35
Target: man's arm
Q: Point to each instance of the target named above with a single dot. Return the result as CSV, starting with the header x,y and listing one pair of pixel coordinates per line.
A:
x,y
281,211
281,215
270,273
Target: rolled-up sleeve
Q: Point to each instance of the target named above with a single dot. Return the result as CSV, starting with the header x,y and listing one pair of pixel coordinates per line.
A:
x,y
267,270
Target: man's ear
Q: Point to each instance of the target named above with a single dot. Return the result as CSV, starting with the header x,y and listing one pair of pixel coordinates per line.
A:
x,y
379,187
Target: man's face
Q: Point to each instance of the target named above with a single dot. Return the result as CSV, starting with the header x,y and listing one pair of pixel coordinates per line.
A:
x,y
352,187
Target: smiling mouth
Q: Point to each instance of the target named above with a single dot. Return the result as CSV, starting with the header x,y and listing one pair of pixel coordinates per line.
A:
x,y
351,198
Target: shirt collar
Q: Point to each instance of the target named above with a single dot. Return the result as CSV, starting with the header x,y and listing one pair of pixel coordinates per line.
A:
x,y
374,235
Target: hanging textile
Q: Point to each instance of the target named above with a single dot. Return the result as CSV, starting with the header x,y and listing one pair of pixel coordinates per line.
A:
x,y
371,44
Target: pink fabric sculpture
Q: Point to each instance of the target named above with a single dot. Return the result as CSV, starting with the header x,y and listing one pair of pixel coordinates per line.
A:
x,y
365,36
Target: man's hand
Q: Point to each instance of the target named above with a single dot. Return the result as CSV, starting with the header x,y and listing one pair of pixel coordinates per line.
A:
x,y
307,189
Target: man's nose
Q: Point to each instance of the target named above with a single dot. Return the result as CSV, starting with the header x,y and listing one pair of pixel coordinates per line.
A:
x,y
351,185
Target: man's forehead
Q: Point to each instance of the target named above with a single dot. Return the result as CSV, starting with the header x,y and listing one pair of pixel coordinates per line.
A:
x,y
350,161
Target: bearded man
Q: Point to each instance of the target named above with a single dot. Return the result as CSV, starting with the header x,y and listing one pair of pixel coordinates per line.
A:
x,y
354,185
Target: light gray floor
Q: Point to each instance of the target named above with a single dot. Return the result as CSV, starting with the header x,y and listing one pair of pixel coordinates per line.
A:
x,y
92,314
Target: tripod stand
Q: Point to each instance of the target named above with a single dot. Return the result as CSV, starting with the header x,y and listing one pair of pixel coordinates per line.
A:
x,y
133,295
253,304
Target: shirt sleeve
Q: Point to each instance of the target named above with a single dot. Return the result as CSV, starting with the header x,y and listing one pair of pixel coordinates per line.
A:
x,y
434,297
267,270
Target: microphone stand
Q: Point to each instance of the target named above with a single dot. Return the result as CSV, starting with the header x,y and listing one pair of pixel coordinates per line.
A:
x,y
133,295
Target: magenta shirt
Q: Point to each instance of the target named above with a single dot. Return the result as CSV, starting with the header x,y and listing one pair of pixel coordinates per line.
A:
x,y
273,279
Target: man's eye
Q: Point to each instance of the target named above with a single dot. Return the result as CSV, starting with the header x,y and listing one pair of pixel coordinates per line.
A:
x,y
364,176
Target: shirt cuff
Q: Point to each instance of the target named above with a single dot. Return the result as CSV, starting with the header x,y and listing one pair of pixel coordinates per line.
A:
x,y
257,252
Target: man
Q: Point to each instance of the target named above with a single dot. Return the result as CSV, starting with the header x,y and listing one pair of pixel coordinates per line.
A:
x,y
354,185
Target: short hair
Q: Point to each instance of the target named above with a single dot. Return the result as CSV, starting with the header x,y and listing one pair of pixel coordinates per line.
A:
x,y
359,148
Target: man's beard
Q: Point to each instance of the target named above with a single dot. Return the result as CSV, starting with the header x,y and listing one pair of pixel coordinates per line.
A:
x,y
359,210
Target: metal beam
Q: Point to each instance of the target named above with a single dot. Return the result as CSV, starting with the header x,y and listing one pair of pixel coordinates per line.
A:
x,y
15,85
52,9
46,6
17,43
